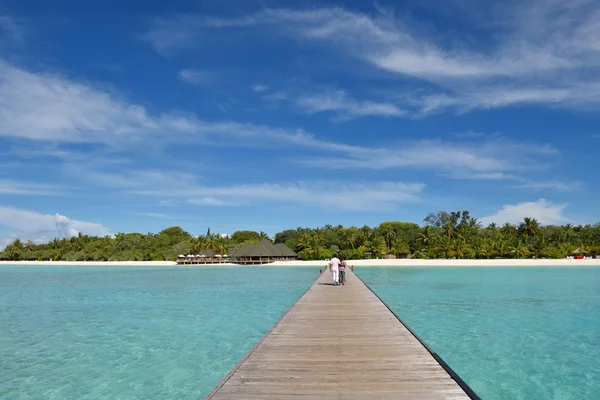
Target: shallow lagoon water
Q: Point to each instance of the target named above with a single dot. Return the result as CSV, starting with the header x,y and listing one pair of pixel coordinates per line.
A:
x,y
510,333
131,332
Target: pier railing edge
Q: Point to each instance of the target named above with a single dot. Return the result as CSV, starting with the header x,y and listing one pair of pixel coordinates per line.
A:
x,y
262,339
463,385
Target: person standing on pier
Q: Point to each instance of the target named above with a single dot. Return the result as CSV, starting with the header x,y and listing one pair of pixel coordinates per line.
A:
x,y
334,266
342,277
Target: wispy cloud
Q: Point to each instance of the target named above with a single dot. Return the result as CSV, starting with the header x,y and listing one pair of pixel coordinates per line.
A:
x,y
38,227
354,195
152,215
544,211
196,77
12,29
345,106
485,159
260,88
14,187
359,196
540,52
521,182
481,176
52,109
208,201
551,185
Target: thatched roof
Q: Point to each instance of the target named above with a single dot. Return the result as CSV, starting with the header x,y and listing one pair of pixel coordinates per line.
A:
x,y
242,251
285,251
579,251
264,248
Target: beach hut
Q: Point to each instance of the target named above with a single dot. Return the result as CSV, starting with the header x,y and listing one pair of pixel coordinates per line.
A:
x,y
579,253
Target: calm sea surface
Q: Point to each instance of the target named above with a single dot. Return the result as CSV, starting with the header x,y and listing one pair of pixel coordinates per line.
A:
x,y
133,333
510,333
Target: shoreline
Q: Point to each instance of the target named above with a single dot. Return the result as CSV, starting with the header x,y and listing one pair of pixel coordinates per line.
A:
x,y
323,263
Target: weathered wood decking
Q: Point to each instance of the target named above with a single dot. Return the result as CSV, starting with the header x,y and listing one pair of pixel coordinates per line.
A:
x,y
340,343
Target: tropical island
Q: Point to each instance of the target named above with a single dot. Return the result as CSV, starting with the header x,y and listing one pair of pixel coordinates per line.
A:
x,y
443,235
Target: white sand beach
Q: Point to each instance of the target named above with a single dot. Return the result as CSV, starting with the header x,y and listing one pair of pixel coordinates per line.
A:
x,y
95,263
454,263
323,263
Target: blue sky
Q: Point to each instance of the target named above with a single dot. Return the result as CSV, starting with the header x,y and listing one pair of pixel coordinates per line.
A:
x,y
269,115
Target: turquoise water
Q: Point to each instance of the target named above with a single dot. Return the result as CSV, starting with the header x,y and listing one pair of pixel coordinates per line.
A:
x,y
510,333
133,333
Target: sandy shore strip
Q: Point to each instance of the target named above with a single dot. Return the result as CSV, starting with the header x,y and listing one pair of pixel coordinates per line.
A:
x,y
452,263
323,263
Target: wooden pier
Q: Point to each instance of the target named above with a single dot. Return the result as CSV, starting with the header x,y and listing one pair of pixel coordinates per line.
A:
x,y
341,343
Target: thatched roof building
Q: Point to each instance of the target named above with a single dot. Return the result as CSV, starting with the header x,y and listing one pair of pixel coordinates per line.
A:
x,y
286,251
263,252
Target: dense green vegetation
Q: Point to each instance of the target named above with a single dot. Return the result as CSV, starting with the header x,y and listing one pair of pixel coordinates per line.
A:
x,y
443,235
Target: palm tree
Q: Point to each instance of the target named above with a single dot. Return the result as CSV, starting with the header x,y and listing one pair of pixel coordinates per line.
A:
x,y
486,249
310,243
449,229
262,236
14,250
503,248
29,245
444,246
529,227
379,246
198,244
420,252
427,236
520,250
508,229
459,247
389,234
540,247
221,245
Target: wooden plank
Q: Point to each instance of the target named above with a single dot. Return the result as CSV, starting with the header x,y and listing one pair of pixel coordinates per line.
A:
x,y
341,343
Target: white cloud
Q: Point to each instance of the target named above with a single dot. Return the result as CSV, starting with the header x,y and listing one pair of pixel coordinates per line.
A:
x,y
12,29
152,215
334,195
537,52
551,185
260,88
544,211
38,227
490,159
208,201
52,109
196,77
346,106
9,186
481,176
